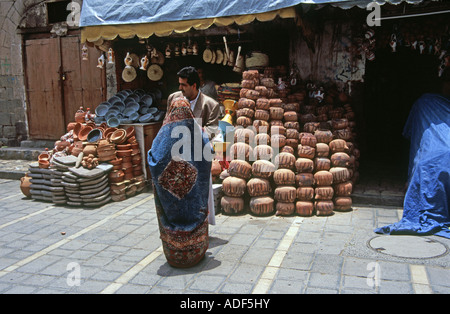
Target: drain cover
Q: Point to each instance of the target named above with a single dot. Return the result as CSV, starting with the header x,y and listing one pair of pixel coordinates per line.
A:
x,y
408,246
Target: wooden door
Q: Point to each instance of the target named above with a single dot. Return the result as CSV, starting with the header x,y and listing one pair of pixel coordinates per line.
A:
x,y
45,114
83,84
59,83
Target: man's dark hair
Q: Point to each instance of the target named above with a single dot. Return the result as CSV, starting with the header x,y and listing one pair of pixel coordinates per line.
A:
x,y
191,74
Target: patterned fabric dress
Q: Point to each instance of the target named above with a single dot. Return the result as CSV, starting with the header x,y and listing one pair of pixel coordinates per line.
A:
x,y
181,168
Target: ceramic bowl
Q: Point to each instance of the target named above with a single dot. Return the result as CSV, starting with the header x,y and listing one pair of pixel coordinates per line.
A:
x,y
94,135
82,135
119,136
113,122
134,117
43,163
101,110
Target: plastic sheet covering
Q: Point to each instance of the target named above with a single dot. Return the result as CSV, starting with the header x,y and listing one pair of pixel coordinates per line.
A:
x,y
115,12
427,199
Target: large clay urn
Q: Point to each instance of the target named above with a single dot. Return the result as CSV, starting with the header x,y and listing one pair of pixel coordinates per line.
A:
x,y
25,185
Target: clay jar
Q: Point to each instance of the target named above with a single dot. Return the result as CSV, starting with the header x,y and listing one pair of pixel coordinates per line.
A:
x,y
80,115
25,185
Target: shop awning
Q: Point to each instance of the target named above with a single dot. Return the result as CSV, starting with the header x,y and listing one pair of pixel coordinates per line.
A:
x,y
128,18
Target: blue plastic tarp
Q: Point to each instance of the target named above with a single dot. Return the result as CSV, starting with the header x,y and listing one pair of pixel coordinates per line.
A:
x,y
427,199
116,12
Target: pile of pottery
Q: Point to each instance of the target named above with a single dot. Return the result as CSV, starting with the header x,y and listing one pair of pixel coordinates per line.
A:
x,y
302,142
89,166
128,106
127,177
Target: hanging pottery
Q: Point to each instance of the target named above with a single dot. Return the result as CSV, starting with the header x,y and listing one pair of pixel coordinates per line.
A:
x,y
84,53
168,51
207,53
101,61
128,60
154,72
144,63
110,56
129,74
195,49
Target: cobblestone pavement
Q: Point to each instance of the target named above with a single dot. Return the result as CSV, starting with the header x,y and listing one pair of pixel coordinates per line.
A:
x,y
116,249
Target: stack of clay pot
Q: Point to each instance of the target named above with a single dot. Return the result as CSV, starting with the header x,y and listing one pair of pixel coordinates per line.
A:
x,y
126,178
234,187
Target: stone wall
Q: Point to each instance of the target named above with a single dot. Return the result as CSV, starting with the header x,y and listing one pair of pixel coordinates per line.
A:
x,y
13,121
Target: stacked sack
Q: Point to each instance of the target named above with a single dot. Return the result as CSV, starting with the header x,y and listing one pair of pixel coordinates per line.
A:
x,y
304,165
323,178
234,187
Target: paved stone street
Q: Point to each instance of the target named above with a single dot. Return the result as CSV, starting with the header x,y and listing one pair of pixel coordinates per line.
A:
x,y
116,249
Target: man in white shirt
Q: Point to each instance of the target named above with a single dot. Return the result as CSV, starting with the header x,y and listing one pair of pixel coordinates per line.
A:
x,y
203,107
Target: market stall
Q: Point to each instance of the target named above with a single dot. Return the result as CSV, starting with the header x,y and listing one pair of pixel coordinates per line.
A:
x,y
297,115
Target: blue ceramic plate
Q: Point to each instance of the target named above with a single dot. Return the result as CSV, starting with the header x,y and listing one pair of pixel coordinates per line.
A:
x,y
134,105
143,109
128,111
134,116
101,110
114,99
147,99
126,121
146,118
152,110
113,122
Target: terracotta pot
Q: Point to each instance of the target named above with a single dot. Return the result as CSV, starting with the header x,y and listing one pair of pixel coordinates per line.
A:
x,y
234,186
82,135
116,176
124,153
130,131
25,185
126,165
119,136
44,156
132,140
108,132
71,126
123,147
80,115
76,129
115,162
43,163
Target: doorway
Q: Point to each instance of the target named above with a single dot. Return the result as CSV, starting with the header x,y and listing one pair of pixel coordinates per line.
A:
x,y
58,82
